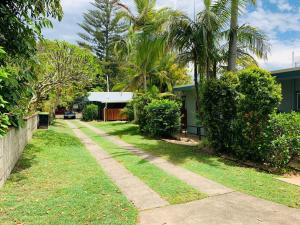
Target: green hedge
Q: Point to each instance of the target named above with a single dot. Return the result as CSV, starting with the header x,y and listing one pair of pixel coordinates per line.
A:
x,y
219,109
90,112
239,118
259,97
282,139
163,118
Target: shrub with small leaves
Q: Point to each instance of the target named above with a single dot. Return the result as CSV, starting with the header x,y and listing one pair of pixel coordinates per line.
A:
x,y
90,112
219,110
163,118
259,97
282,139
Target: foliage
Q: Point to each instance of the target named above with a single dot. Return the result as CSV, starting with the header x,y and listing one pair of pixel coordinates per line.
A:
x,y
22,21
65,72
219,109
146,43
259,97
236,112
4,120
140,102
282,139
102,30
163,118
129,111
90,112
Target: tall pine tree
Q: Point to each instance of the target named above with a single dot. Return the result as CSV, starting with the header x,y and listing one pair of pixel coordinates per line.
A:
x,y
102,29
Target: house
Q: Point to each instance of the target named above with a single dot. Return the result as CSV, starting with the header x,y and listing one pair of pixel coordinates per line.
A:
x,y
289,79
290,83
188,111
110,104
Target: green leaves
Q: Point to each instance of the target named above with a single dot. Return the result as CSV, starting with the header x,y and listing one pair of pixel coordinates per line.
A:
x,y
163,118
236,113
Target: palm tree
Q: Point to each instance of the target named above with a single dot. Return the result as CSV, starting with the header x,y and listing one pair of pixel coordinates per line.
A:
x,y
235,7
186,35
148,25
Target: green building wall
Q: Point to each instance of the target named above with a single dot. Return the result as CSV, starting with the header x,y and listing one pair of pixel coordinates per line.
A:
x,y
289,89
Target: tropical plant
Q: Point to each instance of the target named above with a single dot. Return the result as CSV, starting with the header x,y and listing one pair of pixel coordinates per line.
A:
x,y
163,118
259,97
90,112
233,9
186,35
148,37
22,21
65,70
4,120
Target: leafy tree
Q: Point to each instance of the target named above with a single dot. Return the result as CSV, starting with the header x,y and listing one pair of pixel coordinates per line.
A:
x,y
4,120
65,70
102,29
21,21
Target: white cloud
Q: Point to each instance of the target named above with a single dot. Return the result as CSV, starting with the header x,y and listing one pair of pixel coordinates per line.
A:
x,y
281,54
273,23
282,5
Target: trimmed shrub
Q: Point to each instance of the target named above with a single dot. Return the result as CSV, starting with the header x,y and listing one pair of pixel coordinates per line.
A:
x,y
259,97
282,139
219,110
163,118
140,102
129,111
90,112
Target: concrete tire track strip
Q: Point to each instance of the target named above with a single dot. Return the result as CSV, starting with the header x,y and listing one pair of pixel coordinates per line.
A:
x,y
224,206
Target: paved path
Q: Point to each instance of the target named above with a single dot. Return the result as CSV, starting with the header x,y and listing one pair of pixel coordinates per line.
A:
x,y
200,183
223,207
133,188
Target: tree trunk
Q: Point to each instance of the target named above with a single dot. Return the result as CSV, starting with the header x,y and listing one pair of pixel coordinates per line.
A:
x,y
215,70
232,57
145,82
197,87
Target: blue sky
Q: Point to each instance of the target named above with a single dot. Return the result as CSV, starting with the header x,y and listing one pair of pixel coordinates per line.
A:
x,y
279,19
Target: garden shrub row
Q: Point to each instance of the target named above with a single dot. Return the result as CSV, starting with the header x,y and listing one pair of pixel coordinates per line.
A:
x,y
240,117
90,112
157,116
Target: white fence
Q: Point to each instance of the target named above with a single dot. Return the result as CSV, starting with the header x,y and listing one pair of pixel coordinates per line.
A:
x,y
12,146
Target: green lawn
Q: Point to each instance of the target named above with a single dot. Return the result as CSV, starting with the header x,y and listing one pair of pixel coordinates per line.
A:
x,y
167,186
244,179
58,182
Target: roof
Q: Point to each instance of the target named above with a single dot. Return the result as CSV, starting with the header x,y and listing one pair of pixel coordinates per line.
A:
x,y
287,73
187,87
110,97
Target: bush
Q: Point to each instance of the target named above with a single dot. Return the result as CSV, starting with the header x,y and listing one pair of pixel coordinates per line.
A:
x,y
163,118
219,110
140,102
236,112
282,139
259,97
129,111
90,112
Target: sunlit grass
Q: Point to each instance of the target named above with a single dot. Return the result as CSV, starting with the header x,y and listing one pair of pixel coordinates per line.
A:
x,y
167,186
58,182
228,173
